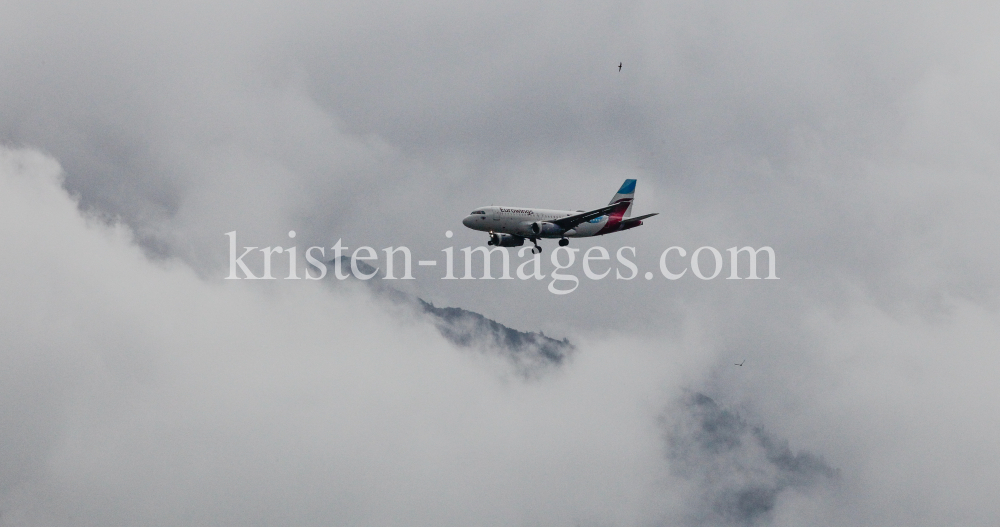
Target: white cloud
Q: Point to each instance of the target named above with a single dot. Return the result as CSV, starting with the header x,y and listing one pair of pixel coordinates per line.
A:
x,y
859,140
135,392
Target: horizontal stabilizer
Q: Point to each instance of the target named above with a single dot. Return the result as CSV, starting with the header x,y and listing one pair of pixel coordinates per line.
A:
x,y
644,216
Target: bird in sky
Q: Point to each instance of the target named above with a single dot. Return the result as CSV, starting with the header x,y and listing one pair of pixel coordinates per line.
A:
x,y
741,364
619,67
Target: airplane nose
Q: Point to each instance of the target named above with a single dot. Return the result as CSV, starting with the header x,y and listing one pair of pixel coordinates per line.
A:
x,y
467,221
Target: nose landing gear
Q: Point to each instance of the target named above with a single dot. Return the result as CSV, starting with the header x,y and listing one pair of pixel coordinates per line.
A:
x,y
563,242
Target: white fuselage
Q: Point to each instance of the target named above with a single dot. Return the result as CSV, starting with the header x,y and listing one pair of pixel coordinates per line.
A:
x,y
518,221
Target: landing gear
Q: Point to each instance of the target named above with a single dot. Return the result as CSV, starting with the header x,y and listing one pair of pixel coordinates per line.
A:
x,y
563,242
536,249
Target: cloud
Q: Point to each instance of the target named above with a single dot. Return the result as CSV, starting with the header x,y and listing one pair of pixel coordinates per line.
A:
x,y
857,140
135,392
532,354
849,137
827,132
739,471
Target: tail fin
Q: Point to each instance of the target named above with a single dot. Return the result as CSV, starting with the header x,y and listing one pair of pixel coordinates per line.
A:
x,y
626,193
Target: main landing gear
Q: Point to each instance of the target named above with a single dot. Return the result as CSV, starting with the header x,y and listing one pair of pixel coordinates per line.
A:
x,y
537,249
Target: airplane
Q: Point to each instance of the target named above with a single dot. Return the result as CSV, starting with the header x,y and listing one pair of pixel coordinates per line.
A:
x,y
510,226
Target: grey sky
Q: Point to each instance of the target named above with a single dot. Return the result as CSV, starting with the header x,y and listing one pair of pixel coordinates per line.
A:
x,y
858,140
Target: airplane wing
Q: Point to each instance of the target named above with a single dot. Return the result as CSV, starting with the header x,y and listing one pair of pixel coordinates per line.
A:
x,y
569,222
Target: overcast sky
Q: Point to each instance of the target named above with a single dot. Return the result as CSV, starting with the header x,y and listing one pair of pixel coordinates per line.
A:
x,y
860,141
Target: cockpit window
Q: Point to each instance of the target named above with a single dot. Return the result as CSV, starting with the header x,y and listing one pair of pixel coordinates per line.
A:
x,y
478,212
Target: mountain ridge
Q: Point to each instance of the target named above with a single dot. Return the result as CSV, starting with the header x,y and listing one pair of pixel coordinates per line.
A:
x,y
531,353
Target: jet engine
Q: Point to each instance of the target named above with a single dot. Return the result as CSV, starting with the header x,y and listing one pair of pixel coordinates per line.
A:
x,y
505,240
544,228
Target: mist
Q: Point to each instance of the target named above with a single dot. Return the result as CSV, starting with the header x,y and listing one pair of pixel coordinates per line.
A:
x,y
859,141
